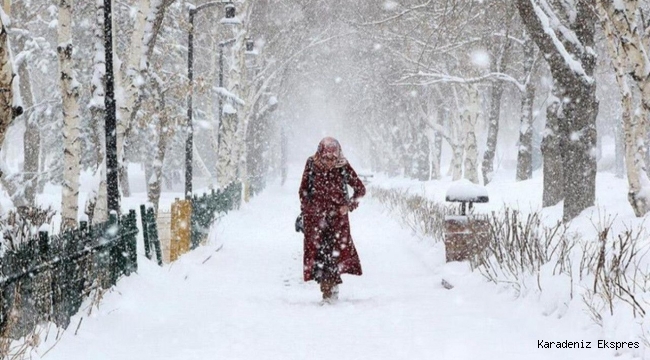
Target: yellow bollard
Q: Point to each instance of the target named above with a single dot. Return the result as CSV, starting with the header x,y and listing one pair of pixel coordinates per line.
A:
x,y
180,228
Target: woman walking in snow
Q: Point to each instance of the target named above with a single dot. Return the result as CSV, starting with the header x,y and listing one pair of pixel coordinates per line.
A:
x,y
324,201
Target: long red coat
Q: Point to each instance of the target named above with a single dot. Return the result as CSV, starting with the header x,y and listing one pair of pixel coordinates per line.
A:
x,y
321,215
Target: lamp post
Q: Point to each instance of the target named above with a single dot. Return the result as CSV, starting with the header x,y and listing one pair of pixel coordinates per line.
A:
x,y
189,144
112,191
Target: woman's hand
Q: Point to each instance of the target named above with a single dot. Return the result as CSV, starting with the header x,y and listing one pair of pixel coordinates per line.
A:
x,y
344,210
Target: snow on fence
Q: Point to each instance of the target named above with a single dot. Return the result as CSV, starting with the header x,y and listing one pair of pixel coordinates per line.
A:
x,y
47,277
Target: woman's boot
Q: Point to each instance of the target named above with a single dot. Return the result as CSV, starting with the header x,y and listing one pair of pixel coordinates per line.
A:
x,y
326,289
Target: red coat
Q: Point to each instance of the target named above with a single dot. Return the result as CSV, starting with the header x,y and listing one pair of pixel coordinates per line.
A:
x,y
321,215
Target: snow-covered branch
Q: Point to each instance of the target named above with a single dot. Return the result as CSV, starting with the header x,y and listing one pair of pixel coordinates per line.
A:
x,y
436,78
397,16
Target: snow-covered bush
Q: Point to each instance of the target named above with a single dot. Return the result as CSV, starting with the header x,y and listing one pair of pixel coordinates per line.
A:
x,y
608,274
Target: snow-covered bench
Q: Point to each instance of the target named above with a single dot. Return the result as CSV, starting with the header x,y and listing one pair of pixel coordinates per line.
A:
x,y
464,191
464,235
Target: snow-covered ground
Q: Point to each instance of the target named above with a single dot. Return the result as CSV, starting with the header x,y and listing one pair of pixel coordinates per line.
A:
x,y
242,297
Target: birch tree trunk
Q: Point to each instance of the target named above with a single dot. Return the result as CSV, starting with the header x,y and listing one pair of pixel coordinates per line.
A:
x,y
97,204
436,149
457,148
525,150
456,140
32,136
70,95
6,82
154,184
619,150
130,86
628,51
487,168
232,129
226,164
469,127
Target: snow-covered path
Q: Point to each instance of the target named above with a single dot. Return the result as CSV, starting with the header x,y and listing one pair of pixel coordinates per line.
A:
x,y
242,297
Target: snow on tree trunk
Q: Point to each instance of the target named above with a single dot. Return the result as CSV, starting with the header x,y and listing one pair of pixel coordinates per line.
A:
x,y
97,203
9,99
628,51
421,151
436,149
553,191
101,204
568,49
32,135
6,79
231,147
130,86
525,150
619,150
70,95
469,128
456,140
457,148
152,28
259,130
487,167
154,184
226,164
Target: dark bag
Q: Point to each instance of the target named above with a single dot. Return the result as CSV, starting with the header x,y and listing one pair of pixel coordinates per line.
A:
x,y
299,224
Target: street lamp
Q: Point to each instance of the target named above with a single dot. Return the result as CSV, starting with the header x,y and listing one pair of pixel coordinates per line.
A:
x,y
189,144
113,195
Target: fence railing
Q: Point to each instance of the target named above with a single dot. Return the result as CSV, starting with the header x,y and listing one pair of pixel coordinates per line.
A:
x,y
150,234
206,207
198,213
47,277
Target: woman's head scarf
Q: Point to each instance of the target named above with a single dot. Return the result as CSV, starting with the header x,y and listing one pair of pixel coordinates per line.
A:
x,y
327,147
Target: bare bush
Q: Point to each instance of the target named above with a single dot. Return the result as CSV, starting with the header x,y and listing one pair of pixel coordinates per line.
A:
x,y
616,267
519,245
421,215
22,224
610,271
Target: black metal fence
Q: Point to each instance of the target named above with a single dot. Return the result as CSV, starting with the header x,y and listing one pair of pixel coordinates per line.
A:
x,y
207,206
150,234
47,277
